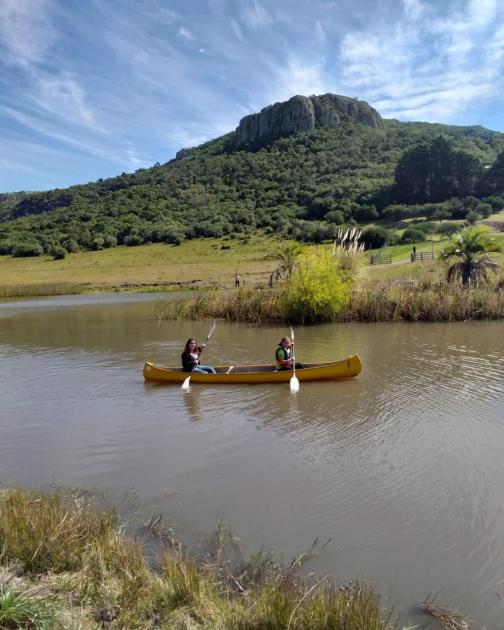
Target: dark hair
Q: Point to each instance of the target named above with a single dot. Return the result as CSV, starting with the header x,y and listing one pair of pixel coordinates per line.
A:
x,y
186,348
282,340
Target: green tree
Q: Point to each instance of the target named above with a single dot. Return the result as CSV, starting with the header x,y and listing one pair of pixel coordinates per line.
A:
x,y
472,247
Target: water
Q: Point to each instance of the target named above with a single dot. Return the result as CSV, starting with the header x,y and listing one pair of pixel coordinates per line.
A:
x,y
401,467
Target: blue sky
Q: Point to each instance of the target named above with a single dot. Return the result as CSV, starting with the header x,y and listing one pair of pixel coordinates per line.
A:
x,y
92,88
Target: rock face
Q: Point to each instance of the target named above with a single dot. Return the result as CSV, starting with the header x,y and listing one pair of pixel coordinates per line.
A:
x,y
302,113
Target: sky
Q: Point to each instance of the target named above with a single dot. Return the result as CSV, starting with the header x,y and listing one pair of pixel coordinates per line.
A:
x,y
95,88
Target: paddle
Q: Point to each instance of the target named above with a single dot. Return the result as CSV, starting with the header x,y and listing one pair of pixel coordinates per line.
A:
x,y
294,383
185,384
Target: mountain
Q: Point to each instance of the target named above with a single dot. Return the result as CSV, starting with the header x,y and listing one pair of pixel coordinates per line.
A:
x,y
297,169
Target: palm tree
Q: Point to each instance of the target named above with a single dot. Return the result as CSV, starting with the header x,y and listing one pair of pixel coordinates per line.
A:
x,y
472,246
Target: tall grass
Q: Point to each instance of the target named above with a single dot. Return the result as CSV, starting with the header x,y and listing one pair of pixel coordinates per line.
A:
x,y
80,557
420,301
248,304
34,290
407,300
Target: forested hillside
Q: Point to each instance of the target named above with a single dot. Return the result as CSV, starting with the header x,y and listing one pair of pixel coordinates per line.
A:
x,y
303,186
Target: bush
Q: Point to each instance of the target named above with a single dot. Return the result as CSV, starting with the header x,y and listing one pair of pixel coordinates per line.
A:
x,y
427,227
496,203
27,249
374,237
318,289
447,229
472,217
412,235
335,216
58,252
484,209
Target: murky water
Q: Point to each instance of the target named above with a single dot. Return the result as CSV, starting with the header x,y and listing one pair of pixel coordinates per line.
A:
x,y
401,467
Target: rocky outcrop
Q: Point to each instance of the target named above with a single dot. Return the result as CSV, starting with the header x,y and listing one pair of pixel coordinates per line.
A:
x,y
302,113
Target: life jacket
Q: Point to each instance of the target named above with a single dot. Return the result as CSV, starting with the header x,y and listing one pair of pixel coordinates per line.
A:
x,y
282,354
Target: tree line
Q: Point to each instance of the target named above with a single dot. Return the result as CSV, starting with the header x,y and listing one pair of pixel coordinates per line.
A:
x,y
303,187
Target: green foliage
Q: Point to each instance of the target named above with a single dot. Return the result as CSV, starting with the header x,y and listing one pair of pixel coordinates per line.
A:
x,y
21,610
26,249
413,235
447,229
375,237
300,187
318,289
58,252
472,246
472,216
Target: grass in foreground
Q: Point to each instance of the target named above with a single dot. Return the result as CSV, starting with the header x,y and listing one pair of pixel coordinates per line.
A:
x,y
87,573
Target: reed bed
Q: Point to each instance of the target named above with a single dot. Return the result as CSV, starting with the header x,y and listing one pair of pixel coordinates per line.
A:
x,y
405,300
421,301
43,289
89,574
256,305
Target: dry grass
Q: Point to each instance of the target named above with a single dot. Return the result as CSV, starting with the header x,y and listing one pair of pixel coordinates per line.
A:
x,y
448,618
88,574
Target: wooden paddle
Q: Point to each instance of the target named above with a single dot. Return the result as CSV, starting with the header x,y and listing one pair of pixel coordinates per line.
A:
x,y
294,382
185,384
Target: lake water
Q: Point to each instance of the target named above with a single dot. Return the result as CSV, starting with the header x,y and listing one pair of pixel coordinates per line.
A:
x,y
401,467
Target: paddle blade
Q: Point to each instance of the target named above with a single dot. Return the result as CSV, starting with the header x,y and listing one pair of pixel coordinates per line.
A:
x,y
185,384
294,384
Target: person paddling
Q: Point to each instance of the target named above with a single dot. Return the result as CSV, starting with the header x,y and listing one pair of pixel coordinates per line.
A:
x,y
191,358
283,355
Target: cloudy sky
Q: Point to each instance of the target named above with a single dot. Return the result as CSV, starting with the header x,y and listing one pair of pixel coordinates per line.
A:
x,y
92,88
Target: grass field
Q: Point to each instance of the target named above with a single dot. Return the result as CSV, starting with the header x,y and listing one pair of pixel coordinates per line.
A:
x,y
203,263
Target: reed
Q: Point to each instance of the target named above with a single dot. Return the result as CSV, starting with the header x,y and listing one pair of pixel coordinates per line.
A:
x,y
420,301
248,304
49,532
43,289
108,581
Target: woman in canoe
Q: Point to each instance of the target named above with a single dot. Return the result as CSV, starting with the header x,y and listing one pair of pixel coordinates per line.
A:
x,y
283,355
191,358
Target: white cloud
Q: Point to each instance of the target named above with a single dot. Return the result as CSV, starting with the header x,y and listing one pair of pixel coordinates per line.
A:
x,y
185,33
64,97
237,31
296,78
427,69
256,16
415,9
26,33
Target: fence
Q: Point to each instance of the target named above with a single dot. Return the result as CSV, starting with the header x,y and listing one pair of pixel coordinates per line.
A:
x,y
421,256
380,259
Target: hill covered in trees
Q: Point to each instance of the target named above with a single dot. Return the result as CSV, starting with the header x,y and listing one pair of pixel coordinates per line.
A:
x,y
301,185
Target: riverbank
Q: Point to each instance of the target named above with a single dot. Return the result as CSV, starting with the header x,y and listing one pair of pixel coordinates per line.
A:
x,y
65,563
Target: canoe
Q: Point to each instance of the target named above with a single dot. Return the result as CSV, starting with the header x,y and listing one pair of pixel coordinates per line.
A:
x,y
346,368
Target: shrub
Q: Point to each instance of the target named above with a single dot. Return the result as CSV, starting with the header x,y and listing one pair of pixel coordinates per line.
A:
x,y
374,237
472,217
427,227
318,289
412,235
484,209
58,252
447,229
27,249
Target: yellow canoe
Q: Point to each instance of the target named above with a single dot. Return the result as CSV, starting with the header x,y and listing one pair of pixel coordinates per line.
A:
x,y
257,373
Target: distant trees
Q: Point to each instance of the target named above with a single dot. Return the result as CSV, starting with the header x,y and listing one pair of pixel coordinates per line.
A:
x,y
435,171
302,187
